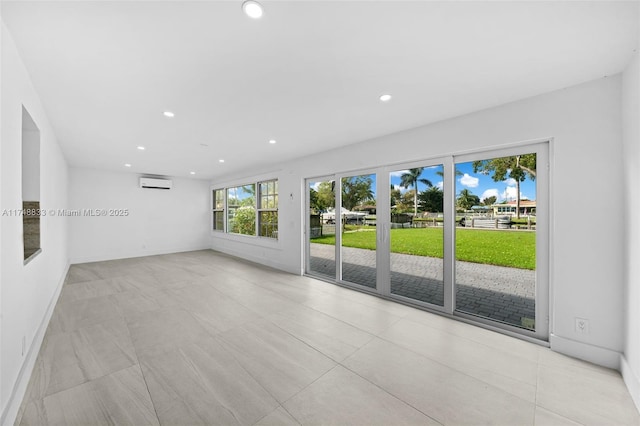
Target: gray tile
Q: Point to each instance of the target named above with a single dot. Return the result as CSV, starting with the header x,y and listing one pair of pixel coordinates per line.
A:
x,y
135,302
120,398
341,397
202,383
335,339
281,363
69,359
367,318
279,417
439,391
524,349
216,311
254,297
154,332
90,289
73,315
589,399
503,369
548,418
223,340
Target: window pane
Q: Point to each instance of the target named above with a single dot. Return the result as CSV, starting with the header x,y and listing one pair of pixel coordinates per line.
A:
x,y
268,195
496,239
218,221
241,212
322,228
417,234
359,231
268,224
218,199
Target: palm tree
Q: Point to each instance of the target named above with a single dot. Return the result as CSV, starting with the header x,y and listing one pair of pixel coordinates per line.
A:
x,y
411,178
466,199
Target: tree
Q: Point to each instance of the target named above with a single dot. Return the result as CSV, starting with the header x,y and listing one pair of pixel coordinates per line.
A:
x,y
356,190
489,201
315,204
518,168
244,221
326,196
466,199
432,200
395,195
411,178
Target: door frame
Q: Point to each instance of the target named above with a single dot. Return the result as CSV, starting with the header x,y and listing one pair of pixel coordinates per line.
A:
x,y
542,148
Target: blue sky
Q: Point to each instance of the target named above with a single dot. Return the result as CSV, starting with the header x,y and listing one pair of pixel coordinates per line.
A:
x,y
481,185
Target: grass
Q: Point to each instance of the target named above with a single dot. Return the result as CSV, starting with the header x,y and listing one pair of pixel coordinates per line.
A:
x,y
502,248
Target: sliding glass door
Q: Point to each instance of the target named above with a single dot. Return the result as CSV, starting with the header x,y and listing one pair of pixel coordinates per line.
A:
x,y
500,237
321,227
358,230
417,233
465,235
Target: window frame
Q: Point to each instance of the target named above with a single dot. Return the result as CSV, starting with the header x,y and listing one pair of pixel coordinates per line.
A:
x,y
257,206
261,209
220,210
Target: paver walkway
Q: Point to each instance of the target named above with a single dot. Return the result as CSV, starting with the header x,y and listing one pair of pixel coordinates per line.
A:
x,y
496,292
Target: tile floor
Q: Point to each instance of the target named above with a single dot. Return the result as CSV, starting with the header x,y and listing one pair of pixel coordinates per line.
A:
x,y
201,338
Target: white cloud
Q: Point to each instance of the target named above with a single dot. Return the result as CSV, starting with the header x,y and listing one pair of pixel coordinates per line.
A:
x,y
315,185
489,193
510,182
399,173
440,185
469,181
510,193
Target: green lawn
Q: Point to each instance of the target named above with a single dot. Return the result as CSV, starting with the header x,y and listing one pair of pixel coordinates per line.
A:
x,y
503,248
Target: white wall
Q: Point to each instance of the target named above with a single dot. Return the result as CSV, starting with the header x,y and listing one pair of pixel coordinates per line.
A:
x,y
631,150
27,292
586,272
159,221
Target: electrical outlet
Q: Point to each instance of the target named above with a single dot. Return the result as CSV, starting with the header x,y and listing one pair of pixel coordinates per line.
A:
x,y
582,326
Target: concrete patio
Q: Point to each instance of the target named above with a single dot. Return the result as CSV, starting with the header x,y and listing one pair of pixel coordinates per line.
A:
x,y
495,292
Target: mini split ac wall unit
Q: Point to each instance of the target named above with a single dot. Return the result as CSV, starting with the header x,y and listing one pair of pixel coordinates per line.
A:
x,y
153,183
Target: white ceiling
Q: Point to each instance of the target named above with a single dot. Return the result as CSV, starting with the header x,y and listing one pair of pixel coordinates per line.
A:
x,y
308,73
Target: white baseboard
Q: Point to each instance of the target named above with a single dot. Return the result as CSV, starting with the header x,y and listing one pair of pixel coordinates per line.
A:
x,y
137,253
631,380
584,351
10,411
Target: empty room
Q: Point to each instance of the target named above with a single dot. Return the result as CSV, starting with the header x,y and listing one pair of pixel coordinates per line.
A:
x,y
319,212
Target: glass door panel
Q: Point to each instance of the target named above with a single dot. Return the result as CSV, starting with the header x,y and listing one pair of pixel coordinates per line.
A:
x,y
358,238
417,234
321,228
495,239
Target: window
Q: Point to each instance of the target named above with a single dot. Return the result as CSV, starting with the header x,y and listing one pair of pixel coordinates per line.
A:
x,y
241,210
268,209
250,209
218,209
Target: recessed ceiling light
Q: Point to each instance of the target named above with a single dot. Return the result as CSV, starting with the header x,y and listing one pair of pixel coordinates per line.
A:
x,y
272,141
192,173
252,9
168,114
141,148
221,160
127,165
385,98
